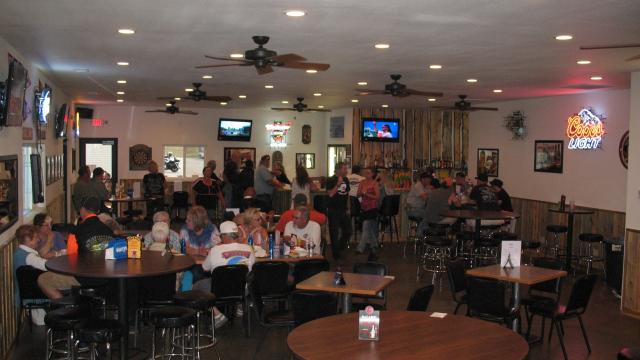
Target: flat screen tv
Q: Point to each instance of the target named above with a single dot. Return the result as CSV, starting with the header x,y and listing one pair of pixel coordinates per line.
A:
x,y
61,122
234,130
379,129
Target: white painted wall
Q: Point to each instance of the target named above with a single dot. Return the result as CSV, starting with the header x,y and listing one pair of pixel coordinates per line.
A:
x,y
592,178
633,176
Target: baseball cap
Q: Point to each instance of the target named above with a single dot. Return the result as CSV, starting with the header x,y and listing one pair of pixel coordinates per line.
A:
x,y
92,204
496,182
482,177
228,227
461,174
160,231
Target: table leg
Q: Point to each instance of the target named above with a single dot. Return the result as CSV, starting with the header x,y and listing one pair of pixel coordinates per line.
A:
x,y
346,303
569,251
516,304
478,224
123,316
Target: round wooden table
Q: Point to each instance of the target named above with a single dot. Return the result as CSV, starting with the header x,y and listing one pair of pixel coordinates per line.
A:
x,y
93,265
407,335
479,215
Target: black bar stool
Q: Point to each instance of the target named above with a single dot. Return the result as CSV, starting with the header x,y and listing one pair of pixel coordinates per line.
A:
x,y
464,247
100,331
437,250
487,250
553,247
589,239
179,320
201,302
68,320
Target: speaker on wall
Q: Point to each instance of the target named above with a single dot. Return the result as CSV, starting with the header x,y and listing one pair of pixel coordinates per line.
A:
x,y
85,113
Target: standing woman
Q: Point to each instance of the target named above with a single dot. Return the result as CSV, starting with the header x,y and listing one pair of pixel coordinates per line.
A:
x,y
280,174
207,193
369,192
50,243
302,184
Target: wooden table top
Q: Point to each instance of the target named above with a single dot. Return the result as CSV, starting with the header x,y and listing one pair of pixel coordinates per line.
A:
x,y
199,259
130,199
407,335
527,275
575,211
94,265
360,284
480,214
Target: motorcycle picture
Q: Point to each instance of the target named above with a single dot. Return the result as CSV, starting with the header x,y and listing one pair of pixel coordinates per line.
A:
x,y
171,163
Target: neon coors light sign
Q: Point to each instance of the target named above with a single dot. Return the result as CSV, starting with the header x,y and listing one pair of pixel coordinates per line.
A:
x,y
585,130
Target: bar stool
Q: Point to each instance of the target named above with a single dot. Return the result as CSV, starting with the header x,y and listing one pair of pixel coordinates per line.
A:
x,y
531,246
437,250
179,320
486,250
201,302
100,331
589,239
414,222
464,247
68,320
553,249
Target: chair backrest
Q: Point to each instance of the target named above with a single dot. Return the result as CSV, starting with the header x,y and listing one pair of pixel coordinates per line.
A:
x,y
271,277
308,306
180,199
140,225
455,272
305,269
486,297
390,205
27,277
551,286
228,282
372,268
580,294
320,203
420,299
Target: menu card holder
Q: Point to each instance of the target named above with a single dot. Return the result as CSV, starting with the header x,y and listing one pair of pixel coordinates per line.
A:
x,y
510,254
369,324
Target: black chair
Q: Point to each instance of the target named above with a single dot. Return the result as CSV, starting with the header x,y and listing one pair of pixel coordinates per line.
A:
x,y
547,292
228,283
31,297
100,331
576,306
152,293
486,301
420,299
180,202
142,225
379,301
389,209
320,203
457,283
69,321
308,306
305,269
271,278
177,319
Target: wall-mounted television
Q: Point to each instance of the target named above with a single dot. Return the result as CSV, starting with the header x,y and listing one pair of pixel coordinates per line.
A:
x,y
379,129
234,130
61,122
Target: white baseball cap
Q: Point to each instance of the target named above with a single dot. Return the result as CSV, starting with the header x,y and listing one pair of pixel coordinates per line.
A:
x,y
228,227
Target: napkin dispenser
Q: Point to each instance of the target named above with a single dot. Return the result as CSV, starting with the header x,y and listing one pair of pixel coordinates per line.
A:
x,y
117,249
134,244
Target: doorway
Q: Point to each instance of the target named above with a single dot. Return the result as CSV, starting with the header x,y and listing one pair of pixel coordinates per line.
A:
x,y
101,152
335,154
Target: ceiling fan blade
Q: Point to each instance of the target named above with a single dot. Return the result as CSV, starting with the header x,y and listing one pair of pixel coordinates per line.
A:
x,y
318,110
363,92
187,112
618,46
286,58
173,98
424,93
633,58
222,65
475,108
283,109
156,111
440,107
306,65
218,98
265,70
225,59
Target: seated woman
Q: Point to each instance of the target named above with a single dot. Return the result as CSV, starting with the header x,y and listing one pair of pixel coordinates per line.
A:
x,y
199,234
251,225
174,237
207,192
50,243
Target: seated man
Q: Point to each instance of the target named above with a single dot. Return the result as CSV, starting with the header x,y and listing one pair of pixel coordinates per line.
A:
x,y
91,234
287,216
174,237
26,255
437,202
302,229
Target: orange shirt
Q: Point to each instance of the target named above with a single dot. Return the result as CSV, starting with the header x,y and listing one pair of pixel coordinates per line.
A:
x,y
287,216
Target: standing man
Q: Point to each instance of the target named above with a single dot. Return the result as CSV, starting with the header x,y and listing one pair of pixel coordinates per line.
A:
x,y
338,209
417,197
82,188
154,187
98,188
265,183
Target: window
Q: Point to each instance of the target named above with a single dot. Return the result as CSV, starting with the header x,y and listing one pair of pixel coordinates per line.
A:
x,y
27,193
183,161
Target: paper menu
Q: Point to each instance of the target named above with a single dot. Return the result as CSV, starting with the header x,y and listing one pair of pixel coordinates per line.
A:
x,y
511,254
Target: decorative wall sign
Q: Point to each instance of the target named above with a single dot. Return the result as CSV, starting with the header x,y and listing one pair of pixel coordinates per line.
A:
x,y
623,150
43,104
336,127
548,156
139,157
488,161
27,133
54,170
278,132
240,155
16,88
306,134
306,160
585,130
515,123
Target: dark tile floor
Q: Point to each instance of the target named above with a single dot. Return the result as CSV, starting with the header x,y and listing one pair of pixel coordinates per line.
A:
x,y
607,328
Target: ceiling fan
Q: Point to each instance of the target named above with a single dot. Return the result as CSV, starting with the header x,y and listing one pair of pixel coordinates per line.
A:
x,y
618,46
264,59
300,107
172,109
397,89
464,105
198,95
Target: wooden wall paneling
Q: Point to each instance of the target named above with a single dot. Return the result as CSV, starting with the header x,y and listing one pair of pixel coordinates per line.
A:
x,y
8,309
465,137
631,274
457,137
447,135
436,136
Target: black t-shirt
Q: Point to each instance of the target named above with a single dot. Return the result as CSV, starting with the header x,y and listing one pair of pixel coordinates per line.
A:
x,y
485,198
206,196
505,200
92,235
339,200
153,184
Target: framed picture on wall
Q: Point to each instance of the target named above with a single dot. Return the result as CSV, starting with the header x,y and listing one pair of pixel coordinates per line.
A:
x,y
548,156
240,155
488,162
307,160
336,127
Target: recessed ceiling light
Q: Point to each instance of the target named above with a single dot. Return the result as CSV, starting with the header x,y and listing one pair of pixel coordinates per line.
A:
x,y
119,100
81,70
435,67
362,83
223,103
596,78
472,80
167,104
177,98
122,81
497,91
382,46
320,106
431,99
385,106
312,71
242,96
207,77
120,93
268,86
236,56
354,100
564,37
317,94
123,63
295,13
126,31
583,62
284,101
188,89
